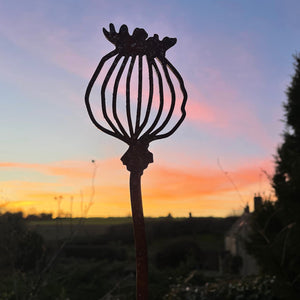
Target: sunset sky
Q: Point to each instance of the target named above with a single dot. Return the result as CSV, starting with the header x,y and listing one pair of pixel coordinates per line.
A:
x,y
236,61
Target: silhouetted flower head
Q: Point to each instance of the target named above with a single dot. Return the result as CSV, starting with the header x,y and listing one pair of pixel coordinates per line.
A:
x,y
142,96
138,43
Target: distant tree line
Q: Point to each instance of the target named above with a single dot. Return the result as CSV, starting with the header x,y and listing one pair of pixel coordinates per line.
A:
x,y
31,217
39,217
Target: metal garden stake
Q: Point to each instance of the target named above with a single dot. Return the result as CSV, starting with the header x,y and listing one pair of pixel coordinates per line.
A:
x,y
137,115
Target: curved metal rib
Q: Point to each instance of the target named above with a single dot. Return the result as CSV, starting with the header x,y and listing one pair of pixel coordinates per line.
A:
x,y
172,106
114,101
161,101
128,112
150,98
140,93
103,88
184,92
88,92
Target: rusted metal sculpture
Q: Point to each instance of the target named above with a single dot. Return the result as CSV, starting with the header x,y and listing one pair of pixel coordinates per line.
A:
x,y
142,127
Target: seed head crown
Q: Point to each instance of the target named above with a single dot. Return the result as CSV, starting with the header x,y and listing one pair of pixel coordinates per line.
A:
x,y
137,43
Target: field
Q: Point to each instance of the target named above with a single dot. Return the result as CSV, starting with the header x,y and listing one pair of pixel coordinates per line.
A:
x,y
95,258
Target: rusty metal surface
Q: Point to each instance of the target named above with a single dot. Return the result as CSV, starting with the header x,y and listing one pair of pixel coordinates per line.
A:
x,y
130,49
139,128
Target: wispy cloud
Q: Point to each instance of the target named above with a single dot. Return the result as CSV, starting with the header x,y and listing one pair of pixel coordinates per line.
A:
x,y
219,107
35,34
163,187
224,113
180,184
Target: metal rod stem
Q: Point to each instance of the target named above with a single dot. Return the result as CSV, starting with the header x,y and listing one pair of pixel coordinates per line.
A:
x,y
139,236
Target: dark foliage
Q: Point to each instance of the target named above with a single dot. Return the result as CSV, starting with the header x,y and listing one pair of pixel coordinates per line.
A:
x,y
232,264
91,266
175,253
252,288
276,226
42,216
20,248
168,227
106,252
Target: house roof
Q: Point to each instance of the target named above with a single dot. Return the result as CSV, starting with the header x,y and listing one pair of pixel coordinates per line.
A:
x,y
240,226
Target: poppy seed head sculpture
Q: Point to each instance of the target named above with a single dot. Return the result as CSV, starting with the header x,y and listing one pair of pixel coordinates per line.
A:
x,y
140,127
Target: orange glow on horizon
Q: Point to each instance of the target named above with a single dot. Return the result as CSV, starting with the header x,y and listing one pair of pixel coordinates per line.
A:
x,y
203,192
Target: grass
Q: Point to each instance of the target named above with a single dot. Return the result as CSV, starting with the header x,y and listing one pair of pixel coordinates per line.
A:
x,y
100,259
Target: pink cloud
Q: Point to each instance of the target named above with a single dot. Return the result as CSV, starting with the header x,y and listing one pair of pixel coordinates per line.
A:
x,y
225,115
165,189
46,41
218,108
200,112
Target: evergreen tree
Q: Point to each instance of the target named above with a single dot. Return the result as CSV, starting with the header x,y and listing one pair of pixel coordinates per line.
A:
x,y
286,180
275,239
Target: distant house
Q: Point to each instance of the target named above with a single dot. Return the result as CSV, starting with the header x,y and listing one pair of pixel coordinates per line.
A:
x,y
235,240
